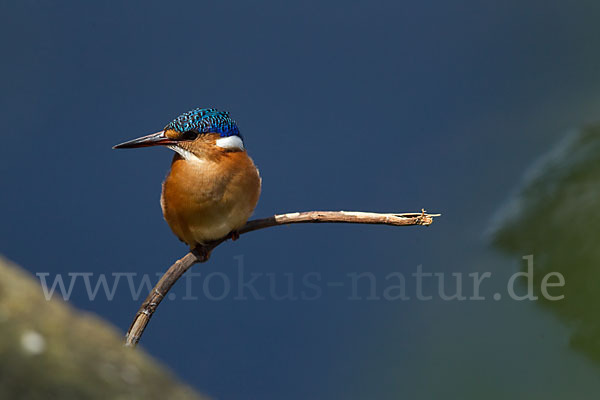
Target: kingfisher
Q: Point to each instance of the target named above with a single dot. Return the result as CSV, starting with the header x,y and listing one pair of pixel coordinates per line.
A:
x,y
213,185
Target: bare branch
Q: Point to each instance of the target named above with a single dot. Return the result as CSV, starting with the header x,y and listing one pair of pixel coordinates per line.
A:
x,y
202,253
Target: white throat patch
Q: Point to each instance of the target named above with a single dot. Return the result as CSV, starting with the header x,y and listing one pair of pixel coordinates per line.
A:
x,y
187,155
231,142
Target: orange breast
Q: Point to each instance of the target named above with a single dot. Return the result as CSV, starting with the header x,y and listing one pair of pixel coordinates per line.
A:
x,y
207,198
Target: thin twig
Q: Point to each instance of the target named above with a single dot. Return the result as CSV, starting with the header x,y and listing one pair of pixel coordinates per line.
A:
x,y
202,253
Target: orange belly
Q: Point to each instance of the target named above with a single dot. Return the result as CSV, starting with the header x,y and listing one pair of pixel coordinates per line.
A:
x,y
204,200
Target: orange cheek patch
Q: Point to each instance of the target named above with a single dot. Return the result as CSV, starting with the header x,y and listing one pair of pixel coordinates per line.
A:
x,y
172,134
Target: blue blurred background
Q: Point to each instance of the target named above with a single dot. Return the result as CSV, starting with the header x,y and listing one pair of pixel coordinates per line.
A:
x,y
375,106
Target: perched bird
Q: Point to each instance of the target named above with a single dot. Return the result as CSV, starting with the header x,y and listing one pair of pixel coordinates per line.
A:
x,y
213,185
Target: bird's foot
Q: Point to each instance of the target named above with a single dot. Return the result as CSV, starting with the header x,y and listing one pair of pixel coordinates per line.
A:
x,y
234,235
201,252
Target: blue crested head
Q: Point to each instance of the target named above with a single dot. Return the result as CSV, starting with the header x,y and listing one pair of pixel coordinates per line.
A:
x,y
205,120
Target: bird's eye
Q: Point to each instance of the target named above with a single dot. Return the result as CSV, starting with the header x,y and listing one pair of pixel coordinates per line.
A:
x,y
188,135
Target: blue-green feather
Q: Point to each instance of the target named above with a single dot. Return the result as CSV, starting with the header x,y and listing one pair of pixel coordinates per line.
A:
x,y
205,120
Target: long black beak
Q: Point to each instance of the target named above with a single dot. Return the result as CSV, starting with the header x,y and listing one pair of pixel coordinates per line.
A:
x,y
155,139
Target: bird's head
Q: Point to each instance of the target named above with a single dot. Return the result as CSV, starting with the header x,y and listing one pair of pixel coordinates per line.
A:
x,y
196,133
